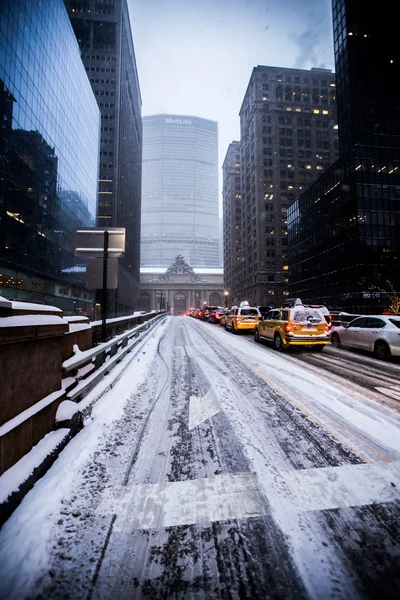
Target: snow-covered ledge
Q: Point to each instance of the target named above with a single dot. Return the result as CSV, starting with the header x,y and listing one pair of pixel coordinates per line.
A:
x,y
5,307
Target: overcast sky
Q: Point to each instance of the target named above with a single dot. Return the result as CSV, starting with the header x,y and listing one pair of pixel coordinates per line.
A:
x,y
195,57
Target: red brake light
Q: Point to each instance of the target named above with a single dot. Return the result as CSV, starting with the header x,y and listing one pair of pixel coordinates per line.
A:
x,y
288,327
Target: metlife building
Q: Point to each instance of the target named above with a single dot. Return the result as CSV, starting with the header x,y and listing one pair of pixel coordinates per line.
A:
x,y
179,191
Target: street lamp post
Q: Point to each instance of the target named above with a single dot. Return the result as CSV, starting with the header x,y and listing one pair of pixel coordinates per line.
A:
x,y
226,298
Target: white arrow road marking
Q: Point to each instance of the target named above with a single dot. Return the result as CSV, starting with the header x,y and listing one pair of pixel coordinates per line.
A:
x,y
389,392
225,497
202,408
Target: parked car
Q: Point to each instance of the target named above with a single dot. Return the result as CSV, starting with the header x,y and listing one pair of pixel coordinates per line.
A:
x,y
379,334
293,326
242,318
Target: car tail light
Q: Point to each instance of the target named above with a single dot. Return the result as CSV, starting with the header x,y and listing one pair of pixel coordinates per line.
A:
x,y
288,327
200,313
236,319
328,327
218,316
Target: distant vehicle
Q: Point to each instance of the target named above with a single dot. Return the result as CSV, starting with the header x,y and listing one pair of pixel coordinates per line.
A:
x,y
379,334
296,325
242,318
207,310
216,314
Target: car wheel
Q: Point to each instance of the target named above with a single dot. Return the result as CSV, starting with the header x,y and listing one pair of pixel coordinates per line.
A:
x,y
382,350
335,340
279,345
256,335
233,328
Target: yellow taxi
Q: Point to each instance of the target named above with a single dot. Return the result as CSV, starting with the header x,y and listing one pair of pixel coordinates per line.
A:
x,y
297,325
242,318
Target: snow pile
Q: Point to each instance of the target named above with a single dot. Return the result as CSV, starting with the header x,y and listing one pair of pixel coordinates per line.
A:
x,y
30,320
66,410
31,306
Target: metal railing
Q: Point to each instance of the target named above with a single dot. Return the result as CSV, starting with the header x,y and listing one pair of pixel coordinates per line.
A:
x,y
85,369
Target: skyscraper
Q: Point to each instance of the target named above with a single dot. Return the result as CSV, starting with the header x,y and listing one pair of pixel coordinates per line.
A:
x,y
344,231
104,35
232,216
287,137
180,191
49,148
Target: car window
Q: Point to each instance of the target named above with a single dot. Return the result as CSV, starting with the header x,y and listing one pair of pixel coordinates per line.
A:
x,y
300,315
249,312
274,315
395,322
374,322
284,315
360,322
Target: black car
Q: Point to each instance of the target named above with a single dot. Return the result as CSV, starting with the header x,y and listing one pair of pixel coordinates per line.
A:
x,y
207,310
216,314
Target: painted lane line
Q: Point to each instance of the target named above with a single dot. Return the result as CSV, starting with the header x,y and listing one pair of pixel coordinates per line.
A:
x,y
219,498
389,392
239,496
202,408
335,487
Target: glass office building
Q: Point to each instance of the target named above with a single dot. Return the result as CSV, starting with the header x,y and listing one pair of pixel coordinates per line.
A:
x,y
180,191
104,34
49,140
344,231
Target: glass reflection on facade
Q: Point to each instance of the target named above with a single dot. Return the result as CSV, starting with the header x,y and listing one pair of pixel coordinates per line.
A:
x,y
344,233
49,139
180,191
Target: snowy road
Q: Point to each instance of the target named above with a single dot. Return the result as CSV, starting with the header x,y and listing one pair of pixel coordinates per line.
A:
x,y
218,468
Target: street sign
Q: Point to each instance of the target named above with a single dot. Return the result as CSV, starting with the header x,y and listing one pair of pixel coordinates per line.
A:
x,y
101,247
90,242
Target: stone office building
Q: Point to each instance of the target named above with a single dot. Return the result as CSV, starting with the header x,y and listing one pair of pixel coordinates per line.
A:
x,y
180,287
287,138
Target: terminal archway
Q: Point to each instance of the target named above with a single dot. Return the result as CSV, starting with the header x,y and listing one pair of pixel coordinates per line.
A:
x,y
215,299
179,303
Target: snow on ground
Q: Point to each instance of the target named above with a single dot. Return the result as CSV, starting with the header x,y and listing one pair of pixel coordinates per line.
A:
x,y
330,400
26,538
